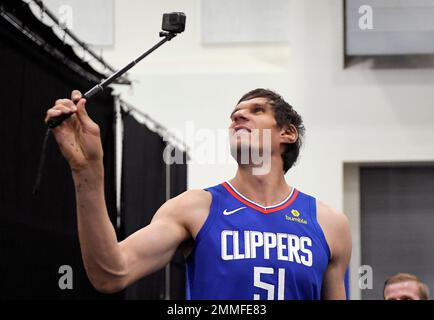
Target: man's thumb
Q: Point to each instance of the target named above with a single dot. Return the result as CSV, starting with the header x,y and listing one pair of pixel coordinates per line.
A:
x,y
84,118
81,111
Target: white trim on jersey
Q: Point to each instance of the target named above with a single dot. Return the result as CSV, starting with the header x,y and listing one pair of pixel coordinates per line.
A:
x,y
257,204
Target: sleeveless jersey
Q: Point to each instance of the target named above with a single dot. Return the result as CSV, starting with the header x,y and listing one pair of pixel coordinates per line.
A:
x,y
246,251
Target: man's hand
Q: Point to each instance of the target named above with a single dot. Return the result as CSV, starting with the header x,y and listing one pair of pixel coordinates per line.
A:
x,y
78,136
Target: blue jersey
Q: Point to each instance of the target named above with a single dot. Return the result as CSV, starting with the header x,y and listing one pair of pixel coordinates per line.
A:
x,y
246,251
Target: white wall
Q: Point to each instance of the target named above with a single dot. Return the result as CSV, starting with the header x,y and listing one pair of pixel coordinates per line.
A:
x,y
351,115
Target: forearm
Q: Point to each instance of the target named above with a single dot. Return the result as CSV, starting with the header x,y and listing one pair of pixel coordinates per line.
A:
x,y
100,250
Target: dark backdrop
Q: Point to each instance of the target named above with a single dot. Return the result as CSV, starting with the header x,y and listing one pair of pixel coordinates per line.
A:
x,y
143,192
39,234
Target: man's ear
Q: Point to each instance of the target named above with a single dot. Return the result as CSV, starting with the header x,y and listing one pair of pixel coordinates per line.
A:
x,y
289,134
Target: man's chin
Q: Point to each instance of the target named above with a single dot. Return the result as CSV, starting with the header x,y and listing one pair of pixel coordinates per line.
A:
x,y
241,151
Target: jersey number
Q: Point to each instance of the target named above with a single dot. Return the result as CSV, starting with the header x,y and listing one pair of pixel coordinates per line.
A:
x,y
270,288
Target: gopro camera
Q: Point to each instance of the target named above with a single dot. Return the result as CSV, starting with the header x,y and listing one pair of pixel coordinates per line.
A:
x,y
174,22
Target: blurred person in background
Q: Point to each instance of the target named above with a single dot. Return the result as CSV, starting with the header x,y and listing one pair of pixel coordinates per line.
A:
x,y
405,286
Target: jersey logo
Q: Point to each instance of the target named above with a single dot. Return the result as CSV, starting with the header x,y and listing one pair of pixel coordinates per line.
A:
x,y
295,213
228,213
295,217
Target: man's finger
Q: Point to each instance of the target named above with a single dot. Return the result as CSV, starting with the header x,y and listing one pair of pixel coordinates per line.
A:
x,y
52,113
67,108
75,96
60,109
84,118
81,111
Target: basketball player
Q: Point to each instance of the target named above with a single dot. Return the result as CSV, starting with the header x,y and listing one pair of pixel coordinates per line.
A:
x,y
405,286
253,237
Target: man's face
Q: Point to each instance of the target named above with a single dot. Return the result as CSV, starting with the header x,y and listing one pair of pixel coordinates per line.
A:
x,y
407,290
253,125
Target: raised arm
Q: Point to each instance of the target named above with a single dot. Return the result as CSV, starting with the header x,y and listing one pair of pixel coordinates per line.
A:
x,y
111,266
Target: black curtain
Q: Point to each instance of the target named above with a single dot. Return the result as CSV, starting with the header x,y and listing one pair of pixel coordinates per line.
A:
x,y
143,192
39,234
178,184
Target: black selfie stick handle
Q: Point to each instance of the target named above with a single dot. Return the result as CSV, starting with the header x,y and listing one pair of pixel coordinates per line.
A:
x,y
55,121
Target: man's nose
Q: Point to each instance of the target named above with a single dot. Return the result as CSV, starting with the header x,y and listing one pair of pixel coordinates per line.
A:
x,y
240,116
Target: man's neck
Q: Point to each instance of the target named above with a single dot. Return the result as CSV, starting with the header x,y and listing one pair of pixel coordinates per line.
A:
x,y
266,190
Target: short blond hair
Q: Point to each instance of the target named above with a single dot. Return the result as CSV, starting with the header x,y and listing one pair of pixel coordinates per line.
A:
x,y
404,277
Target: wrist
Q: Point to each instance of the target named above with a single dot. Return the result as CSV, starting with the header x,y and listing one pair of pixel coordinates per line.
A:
x,y
89,166
91,174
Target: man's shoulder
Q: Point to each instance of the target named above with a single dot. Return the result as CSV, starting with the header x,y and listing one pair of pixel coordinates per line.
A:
x,y
187,206
190,208
328,212
323,210
330,218
336,227
189,202
192,197
195,197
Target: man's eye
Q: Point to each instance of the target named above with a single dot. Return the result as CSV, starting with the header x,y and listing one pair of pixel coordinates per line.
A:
x,y
259,109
